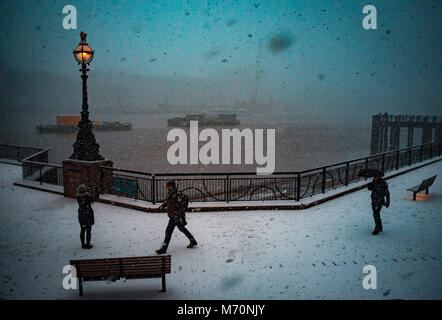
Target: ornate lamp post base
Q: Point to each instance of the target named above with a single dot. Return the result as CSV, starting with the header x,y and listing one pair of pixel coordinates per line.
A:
x,y
76,172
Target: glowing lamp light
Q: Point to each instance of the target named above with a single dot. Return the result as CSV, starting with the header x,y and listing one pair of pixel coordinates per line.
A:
x,y
83,53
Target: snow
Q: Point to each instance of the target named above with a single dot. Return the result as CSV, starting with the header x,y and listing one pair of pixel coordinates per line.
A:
x,y
316,253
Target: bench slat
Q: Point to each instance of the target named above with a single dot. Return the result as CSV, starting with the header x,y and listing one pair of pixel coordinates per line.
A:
x,y
118,276
115,263
122,266
147,269
117,260
414,189
99,274
84,269
123,263
159,270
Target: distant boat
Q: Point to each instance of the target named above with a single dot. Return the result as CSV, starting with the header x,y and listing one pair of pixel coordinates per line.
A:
x,y
204,120
67,124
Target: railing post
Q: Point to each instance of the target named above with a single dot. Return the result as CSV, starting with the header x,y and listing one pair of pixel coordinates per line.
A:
x,y
420,152
397,159
409,156
346,173
153,189
366,166
324,172
100,172
229,189
226,188
383,162
298,187
431,150
39,170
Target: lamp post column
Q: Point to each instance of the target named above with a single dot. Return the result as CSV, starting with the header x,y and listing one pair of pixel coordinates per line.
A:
x,y
84,166
85,147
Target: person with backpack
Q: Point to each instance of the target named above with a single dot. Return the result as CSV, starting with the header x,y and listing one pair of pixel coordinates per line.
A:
x,y
176,204
380,196
86,214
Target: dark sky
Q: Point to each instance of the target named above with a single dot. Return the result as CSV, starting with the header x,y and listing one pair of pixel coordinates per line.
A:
x,y
306,55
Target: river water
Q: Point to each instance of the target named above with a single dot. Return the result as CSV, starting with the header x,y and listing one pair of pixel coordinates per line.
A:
x,y
300,144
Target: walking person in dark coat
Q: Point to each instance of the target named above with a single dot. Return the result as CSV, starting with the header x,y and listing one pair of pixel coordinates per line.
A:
x,y
176,217
379,196
86,214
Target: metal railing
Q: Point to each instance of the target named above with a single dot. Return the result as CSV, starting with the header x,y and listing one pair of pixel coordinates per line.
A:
x,y
37,168
34,162
223,187
248,186
16,152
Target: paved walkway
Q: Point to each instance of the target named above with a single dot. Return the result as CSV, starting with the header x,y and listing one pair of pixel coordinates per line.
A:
x,y
317,253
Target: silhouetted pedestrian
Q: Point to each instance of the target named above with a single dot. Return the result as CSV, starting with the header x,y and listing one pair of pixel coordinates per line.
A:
x,y
379,196
86,214
176,204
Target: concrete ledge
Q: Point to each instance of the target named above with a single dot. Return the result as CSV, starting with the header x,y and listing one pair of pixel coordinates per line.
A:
x,y
13,162
41,187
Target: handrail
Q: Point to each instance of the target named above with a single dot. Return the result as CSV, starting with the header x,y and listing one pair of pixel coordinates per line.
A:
x,y
20,146
36,154
45,163
372,156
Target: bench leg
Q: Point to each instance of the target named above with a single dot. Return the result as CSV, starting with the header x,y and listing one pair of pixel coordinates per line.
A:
x,y
414,195
426,191
163,282
80,281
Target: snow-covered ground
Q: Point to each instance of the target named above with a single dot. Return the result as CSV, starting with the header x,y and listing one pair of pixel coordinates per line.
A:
x,y
317,253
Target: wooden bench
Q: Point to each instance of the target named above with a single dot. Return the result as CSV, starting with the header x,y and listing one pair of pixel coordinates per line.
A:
x,y
425,184
117,268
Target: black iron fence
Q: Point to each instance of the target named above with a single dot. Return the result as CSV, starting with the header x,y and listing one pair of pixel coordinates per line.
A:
x,y
37,168
248,186
223,187
34,162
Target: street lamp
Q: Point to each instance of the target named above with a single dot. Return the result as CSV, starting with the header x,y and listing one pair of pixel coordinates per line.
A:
x,y
85,147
